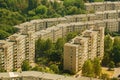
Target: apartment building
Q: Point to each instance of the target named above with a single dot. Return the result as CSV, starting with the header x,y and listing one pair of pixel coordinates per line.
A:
x,y
61,20
109,6
24,28
57,32
18,49
89,8
92,43
99,6
52,33
78,27
30,47
112,14
87,46
70,59
39,24
116,5
112,25
100,23
100,41
44,34
102,6
75,54
77,18
100,15
91,17
53,21
64,28
6,55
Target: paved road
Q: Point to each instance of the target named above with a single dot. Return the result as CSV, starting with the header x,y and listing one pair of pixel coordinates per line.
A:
x,y
116,72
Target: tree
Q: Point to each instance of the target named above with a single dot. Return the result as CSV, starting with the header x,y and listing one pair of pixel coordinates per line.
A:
x,y
98,0
31,13
48,44
32,4
67,3
87,69
114,79
41,10
3,4
79,4
25,65
105,76
70,36
2,69
72,10
116,54
55,68
118,64
97,67
116,50
108,43
39,48
38,68
106,59
3,34
111,65
44,2
56,56
107,31
50,12
116,42
60,44
17,5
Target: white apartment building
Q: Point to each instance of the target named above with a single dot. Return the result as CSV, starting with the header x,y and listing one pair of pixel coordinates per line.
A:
x,y
6,55
18,49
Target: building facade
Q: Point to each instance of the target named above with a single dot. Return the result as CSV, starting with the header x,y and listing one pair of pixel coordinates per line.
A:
x,y
6,55
81,48
18,49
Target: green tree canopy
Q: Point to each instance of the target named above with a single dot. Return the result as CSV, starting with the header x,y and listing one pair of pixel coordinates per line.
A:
x,y
87,69
111,65
55,68
25,65
108,43
70,36
41,10
97,67
116,50
3,34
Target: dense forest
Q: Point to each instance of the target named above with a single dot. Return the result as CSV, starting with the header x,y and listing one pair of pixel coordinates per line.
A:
x,y
13,12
